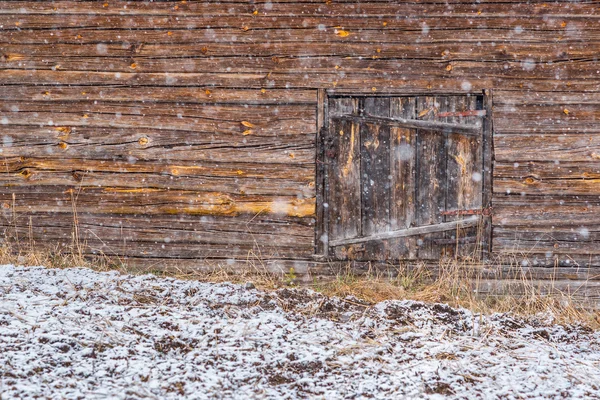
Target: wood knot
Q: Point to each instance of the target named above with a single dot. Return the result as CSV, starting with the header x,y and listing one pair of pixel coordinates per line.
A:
x,y
143,141
63,145
10,57
77,176
5,206
530,180
136,48
26,173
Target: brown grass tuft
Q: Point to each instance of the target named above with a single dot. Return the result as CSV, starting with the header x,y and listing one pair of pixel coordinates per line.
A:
x,y
468,284
460,283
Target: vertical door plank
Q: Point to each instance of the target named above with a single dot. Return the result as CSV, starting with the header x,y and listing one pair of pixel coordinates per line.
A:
x,y
375,177
464,176
321,181
486,196
343,157
431,178
403,179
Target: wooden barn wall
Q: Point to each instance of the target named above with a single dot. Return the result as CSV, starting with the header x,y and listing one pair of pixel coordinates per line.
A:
x,y
187,129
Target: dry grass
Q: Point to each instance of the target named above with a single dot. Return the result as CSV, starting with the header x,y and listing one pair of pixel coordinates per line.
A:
x,y
459,283
55,258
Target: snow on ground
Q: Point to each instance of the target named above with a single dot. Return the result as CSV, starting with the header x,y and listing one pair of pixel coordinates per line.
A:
x,y
76,333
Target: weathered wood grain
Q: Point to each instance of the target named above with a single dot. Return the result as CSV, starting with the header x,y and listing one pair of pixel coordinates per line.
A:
x,y
151,201
281,236
529,212
187,95
441,127
334,66
529,97
464,172
463,46
336,83
145,144
432,9
558,148
418,230
344,187
116,56
546,119
403,178
431,153
235,178
264,120
547,178
375,176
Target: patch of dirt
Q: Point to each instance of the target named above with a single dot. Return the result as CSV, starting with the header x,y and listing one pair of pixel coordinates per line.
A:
x,y
75,333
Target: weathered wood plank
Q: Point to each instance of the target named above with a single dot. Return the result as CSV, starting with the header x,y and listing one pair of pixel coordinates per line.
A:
x,y
504,31
464,174
234,178
403,178
547,178
344,175
162,250
150,201
239,233
549,170
321,179
431,171
431,9
334,67
539,248
246,120
466,46
418,230
148,144
487,179
235,169
561,230
534,211
534,118
187,95
528,97
560,239
337,83
374,176
438,126
572,147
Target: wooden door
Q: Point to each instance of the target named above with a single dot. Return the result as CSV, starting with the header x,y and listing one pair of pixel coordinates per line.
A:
x,y
404,177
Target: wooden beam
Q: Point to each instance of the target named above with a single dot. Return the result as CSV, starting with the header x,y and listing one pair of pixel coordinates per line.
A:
x,y
419,230
443,127
321,246
488,165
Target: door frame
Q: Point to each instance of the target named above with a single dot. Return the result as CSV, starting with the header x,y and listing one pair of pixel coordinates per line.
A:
x,y
321,180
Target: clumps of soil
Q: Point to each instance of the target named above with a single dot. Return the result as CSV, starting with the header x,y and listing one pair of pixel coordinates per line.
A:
x,y
76,333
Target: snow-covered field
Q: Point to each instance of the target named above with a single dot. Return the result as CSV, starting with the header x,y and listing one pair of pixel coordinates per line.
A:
x,y
76,333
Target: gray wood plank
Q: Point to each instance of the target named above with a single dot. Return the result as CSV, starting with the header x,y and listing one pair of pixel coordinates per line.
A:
x,y
419,230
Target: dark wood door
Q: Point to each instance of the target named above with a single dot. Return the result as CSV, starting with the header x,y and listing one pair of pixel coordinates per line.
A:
x,y
403,177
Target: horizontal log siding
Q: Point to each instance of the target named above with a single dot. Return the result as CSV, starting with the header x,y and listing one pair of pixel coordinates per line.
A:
x,y
187,130
219,176
547,177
